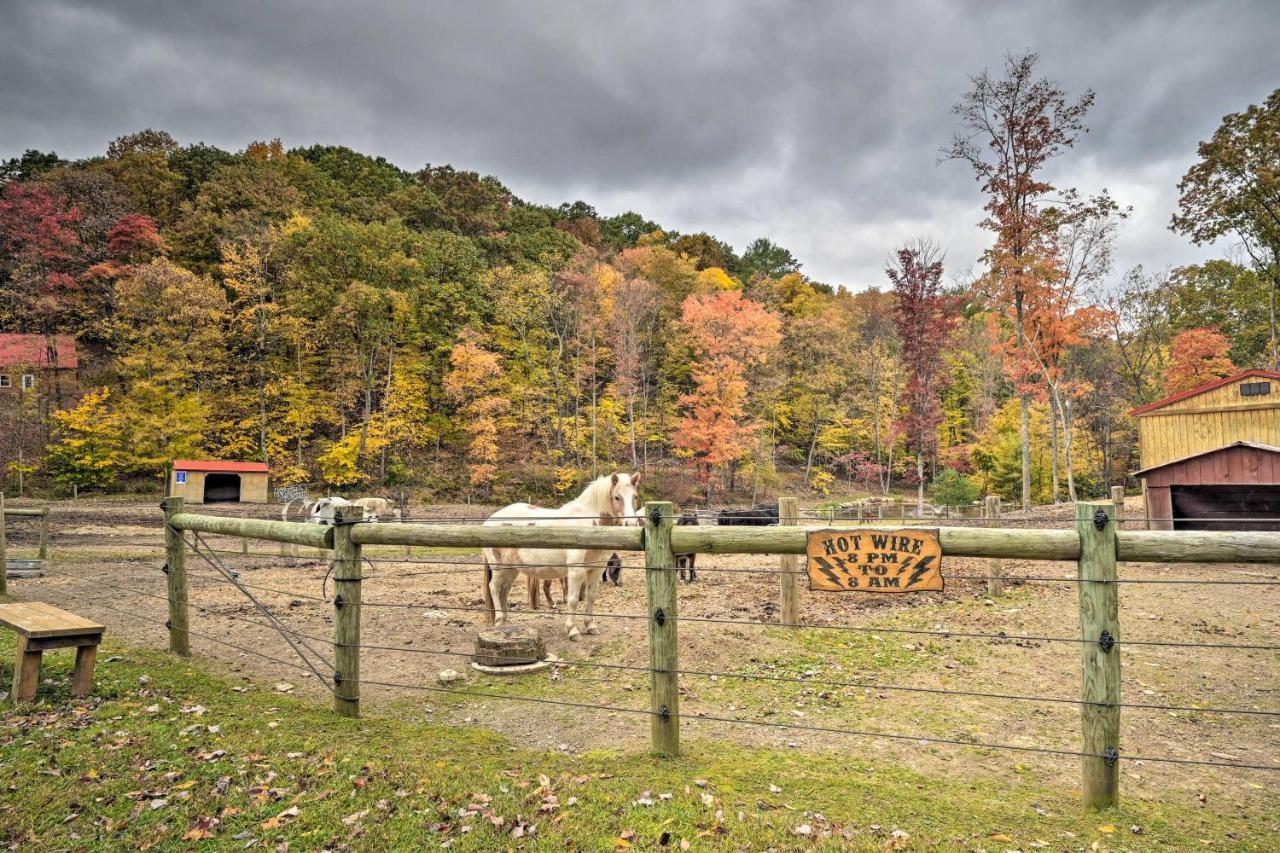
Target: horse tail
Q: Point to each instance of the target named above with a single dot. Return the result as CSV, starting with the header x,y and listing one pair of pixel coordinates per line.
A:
x,y
488,593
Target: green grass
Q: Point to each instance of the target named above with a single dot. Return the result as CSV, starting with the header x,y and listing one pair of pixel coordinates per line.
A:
x,y
89,774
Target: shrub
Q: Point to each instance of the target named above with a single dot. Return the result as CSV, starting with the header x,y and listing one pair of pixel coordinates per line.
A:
x,y
951,488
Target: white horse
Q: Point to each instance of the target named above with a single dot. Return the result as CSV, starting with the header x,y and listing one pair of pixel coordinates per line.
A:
x,y
376,509
609,500
322,511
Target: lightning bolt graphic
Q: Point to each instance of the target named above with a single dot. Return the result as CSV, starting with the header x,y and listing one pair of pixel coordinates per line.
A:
x,y
921,568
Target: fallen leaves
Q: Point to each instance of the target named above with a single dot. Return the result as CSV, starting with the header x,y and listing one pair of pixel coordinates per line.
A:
x,y
202,828
281,819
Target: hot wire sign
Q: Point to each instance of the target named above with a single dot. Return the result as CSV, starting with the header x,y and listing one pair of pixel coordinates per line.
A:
x,y
906,560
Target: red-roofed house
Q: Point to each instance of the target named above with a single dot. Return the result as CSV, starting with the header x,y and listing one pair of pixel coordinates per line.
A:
x,y
26,363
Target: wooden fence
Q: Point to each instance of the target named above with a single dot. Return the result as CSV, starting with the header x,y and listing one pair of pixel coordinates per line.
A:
x,y
1095,544
42,548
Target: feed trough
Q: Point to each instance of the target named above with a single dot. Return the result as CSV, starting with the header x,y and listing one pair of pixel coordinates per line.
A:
x,y
22,568
510,650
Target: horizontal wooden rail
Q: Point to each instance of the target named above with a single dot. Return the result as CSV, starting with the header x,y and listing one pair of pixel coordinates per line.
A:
x,y
956,541
1198,546
1133,546
26,512
298,533
500,536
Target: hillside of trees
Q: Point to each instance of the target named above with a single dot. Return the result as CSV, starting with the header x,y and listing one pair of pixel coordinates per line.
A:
x,y
362,327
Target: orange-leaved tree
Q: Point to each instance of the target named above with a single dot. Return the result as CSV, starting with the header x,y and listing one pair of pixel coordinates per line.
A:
x,y
474,382
1197,356
1010,129
728,335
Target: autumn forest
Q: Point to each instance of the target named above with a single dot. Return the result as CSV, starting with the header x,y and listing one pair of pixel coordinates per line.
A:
x,y
361,327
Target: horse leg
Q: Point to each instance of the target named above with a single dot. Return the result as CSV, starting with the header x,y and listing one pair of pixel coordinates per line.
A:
x,y
572,592
693,572
564,587
488,593
591,582
532,585
504,592
495,599
546,588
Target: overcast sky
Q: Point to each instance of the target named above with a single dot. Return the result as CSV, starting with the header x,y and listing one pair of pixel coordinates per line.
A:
x,y
816,124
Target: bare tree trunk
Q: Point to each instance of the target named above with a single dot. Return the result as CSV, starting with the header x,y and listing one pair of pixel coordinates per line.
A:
x,y
262,411
1053,442
594,461
1024,426
920,485
813,444
1065,407
386,398
1106,450
1275,351
631,427
367,381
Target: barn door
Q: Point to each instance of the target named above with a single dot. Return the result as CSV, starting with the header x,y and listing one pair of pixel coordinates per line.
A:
x,y
221,488
1226,507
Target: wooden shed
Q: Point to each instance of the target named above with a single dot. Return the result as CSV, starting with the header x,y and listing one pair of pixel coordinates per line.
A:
x,y
207,481
1211,455
1243,407
1236,487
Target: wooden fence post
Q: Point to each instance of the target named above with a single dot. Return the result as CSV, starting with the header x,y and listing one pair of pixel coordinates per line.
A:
x,y
664,657
789,516
44,535
1117,498
347,572
4,556
176,568
1100,654
995,569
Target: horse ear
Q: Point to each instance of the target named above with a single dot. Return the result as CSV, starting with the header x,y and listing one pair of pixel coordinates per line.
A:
x,y
614,480
635,479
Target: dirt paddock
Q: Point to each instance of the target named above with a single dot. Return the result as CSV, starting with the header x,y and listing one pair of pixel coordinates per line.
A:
x,y
421,611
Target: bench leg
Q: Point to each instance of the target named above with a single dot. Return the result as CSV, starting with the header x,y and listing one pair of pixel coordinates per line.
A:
x,y
82,676
26,673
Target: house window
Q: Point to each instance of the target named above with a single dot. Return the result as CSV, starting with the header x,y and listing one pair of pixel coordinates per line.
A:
x,y
28,380
4,381
1255,389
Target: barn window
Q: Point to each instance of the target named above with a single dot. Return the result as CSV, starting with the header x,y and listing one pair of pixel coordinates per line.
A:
x,y
28,380
4,381
1255,389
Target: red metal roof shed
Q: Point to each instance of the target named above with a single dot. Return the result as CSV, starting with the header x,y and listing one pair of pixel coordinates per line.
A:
x,y
215,466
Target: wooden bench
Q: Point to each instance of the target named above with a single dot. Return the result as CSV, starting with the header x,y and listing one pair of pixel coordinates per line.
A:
x,y
41,626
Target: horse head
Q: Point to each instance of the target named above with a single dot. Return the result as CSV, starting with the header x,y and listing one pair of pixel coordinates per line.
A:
x,y
623,502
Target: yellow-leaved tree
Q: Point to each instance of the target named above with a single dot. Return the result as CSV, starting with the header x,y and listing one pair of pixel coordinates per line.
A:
x,y
87,451
475,384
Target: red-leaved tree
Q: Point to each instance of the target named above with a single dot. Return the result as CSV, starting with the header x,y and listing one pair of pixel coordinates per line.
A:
x,y
920,313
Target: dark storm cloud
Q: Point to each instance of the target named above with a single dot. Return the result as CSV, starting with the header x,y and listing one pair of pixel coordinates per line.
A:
x,y
817,124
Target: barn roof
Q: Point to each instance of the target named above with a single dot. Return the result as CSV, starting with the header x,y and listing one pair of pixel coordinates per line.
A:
x,y
19,349
1250,444
216,467
1200,389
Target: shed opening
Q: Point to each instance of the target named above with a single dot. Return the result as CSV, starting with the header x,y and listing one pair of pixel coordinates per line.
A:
x,y
221,488
1226,507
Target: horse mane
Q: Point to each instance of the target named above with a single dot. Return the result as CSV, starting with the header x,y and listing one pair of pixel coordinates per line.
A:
x,y
597,496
